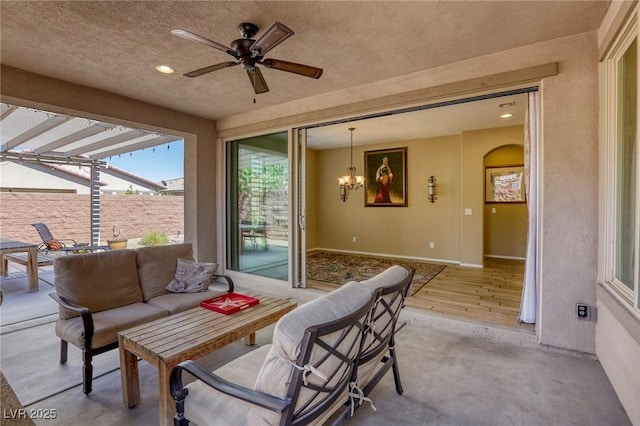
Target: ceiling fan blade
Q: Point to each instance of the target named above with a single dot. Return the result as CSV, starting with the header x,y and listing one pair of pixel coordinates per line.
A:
x,y
276,34
195,37
257,80
306,70
210,68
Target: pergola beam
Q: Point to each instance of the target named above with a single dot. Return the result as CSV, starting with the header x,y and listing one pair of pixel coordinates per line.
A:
x,y
51,159
73,137
35,131
141,145
6,110
127,136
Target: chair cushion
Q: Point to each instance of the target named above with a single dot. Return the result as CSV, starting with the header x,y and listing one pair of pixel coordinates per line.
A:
x,y
178,302
192,276
275,374
202,400
54,245
157,267
98,281
383,323
107,324
390,276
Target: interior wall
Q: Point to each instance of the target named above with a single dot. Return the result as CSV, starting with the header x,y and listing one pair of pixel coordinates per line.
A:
x,y
311,201
505,224
399,231
409,231
476,145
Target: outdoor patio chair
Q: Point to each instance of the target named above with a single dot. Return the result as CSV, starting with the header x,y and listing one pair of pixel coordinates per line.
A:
x,y
65,245
248,233
300,379
378,353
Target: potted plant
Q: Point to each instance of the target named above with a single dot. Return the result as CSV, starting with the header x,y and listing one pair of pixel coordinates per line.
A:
x,y
117,243
155,238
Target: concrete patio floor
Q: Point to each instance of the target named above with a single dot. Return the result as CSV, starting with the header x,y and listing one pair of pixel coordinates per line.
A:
x,y
453,373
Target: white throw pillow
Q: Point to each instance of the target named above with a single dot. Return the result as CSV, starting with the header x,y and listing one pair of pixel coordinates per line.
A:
x,y
192,276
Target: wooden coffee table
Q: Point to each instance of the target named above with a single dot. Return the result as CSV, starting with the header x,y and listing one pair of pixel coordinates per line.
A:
x,y
188,335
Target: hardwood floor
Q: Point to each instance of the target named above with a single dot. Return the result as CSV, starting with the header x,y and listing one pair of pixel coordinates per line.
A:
x,y
491,294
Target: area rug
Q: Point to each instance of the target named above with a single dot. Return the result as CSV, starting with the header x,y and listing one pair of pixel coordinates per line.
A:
x,y
337,269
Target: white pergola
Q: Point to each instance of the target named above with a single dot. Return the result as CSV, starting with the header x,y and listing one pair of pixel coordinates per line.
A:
x,y
31,135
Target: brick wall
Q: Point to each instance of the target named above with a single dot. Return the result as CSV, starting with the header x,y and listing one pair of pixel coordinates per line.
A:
x,y
68,215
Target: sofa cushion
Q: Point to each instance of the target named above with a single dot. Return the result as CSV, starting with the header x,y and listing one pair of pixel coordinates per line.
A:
x,y
107,324
178,302
275,374
98,281
157,267
192,276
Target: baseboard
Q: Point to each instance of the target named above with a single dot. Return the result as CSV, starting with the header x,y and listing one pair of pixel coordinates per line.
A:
x,y
472,265
505,257
385,255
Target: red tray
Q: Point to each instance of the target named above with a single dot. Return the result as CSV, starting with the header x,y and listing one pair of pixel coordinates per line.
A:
x,y
229,303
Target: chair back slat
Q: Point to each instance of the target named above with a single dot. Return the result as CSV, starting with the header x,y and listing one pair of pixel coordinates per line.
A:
x,y
385,317
43,231
334,349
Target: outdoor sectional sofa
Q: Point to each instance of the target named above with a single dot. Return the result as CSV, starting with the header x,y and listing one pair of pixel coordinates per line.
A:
x,y
103,293
326,357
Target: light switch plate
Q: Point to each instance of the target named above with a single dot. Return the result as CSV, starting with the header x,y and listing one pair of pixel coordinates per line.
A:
x,y
468,212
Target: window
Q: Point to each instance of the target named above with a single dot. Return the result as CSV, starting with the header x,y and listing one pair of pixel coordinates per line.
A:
x,y
623,192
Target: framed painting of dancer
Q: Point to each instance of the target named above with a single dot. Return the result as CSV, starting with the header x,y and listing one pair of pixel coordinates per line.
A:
x,y
386,178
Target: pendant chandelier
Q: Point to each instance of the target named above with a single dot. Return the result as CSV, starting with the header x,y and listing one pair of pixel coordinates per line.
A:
x,y
351,181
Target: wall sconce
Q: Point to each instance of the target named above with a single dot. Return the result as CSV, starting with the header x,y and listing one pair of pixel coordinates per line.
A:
x,y
431,189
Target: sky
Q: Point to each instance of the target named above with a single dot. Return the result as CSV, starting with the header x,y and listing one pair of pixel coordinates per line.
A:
x,y
161,164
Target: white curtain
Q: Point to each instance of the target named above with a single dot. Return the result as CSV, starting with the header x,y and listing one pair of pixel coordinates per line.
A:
x,y
528,305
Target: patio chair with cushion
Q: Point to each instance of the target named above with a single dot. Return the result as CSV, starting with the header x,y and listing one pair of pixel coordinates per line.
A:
x,y
65,245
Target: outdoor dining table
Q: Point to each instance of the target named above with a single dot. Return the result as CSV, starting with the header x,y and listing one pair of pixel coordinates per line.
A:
x,y
12,246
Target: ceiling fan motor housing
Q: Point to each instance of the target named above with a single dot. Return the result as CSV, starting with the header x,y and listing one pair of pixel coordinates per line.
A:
x,y
248,30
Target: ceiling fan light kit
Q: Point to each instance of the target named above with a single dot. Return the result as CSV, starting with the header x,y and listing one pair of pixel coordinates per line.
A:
x,y
248,53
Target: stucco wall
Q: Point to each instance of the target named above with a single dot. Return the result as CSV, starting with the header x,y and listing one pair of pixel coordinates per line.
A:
x,y
68,215
618,325
568,191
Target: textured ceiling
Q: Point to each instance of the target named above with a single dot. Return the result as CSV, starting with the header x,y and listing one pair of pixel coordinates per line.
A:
x,y
114,46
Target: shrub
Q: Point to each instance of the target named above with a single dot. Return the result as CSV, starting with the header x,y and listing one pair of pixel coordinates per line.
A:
x,y
155,238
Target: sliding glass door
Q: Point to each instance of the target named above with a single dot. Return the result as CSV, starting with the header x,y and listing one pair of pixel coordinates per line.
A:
x,y
258,205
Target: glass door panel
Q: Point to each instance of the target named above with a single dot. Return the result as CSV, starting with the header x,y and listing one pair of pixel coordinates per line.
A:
x,y
258,206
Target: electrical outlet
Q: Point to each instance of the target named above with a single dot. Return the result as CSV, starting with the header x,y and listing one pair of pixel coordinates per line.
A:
x,y
354,239
468,212
432,245
583,311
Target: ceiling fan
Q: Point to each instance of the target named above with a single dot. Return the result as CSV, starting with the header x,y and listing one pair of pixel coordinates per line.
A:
x,y
248,53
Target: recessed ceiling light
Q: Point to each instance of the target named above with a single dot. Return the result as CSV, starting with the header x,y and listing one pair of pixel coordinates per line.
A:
x,y
165,69
507,115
